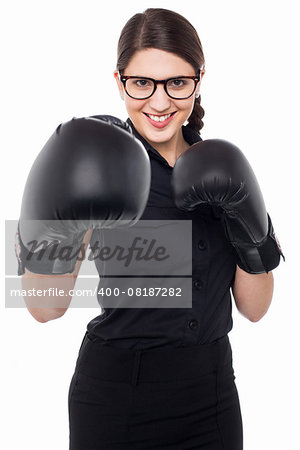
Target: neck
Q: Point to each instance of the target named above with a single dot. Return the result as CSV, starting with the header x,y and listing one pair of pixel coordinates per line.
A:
x,y
172,149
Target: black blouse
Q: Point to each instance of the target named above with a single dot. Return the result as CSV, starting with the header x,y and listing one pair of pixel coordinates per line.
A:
x,y
213,271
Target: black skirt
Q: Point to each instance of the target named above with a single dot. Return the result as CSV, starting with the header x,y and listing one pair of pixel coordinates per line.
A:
x,y
182,398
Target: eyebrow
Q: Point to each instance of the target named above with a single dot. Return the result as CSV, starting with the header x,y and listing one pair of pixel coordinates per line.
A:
x,y
159,79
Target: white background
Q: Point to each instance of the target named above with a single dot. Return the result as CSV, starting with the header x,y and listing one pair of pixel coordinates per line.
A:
x,y
57,62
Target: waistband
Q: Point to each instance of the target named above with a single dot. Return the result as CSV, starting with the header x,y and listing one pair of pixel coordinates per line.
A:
x,y
109,363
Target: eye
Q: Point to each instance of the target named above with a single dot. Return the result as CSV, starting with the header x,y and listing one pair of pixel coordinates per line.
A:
x,y
142,83
177,83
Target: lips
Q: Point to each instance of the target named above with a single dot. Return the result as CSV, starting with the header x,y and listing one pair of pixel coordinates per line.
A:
x,y
160,121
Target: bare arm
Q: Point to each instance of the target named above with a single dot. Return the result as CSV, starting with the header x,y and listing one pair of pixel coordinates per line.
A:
x,y
49,305
253,293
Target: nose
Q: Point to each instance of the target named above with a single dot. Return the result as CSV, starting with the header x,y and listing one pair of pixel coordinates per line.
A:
x,y
160,101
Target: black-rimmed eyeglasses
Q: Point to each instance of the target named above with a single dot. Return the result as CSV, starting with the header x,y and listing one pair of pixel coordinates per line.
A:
x,y
178,88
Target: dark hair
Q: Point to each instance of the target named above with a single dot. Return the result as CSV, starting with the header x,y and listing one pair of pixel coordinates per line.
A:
x,y
165,30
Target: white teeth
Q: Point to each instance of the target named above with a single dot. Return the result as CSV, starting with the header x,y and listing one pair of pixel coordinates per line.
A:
x,y
159,119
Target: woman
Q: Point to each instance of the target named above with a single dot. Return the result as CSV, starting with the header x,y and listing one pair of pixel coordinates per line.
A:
x,y
192,401
159,378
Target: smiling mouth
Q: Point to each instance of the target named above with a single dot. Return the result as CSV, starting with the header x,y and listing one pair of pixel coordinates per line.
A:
x,y
160,118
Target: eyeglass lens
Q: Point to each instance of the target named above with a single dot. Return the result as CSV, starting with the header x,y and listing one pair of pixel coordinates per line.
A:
x,y
177,88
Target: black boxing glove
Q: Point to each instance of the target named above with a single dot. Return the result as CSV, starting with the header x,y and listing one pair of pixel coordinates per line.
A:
x,y
91,173
216,172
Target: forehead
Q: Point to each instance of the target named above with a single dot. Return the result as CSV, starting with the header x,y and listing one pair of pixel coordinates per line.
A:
x,y
158,64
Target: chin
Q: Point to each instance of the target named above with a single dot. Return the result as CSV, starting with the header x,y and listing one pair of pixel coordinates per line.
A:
x,y
159,135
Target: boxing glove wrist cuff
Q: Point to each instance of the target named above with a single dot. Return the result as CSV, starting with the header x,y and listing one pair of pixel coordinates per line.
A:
x,y
50,259
261,258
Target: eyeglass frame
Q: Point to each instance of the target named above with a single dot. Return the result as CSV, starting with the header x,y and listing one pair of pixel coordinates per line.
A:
x,y
124,78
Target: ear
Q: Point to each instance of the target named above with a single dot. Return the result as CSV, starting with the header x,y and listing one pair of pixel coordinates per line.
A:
x,y
199,83
119,84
